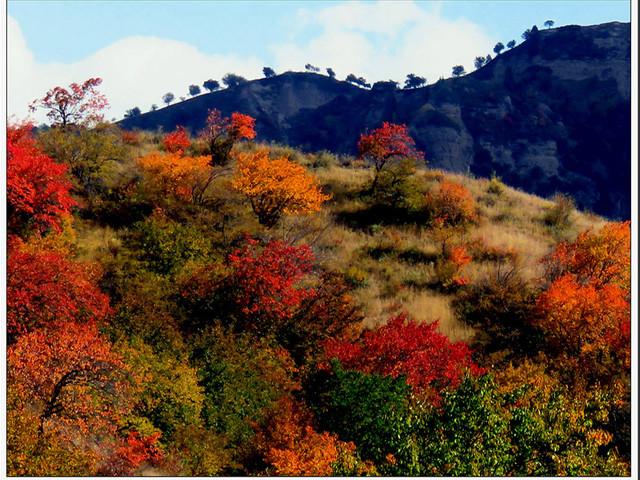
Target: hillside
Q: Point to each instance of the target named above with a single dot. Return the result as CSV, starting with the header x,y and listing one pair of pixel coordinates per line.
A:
x,y
550,115
175,311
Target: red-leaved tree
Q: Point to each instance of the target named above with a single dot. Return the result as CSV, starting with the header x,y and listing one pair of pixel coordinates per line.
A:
x,y
176,141
221,133
37,189
429,359
79,104
387,143
45,289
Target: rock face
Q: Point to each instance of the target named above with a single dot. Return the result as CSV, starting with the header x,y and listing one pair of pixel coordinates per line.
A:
x,y
550,115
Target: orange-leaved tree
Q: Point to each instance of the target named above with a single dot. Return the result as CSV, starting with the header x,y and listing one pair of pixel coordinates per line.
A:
x,y
276,186
184,178
38,192
221,133
387,143
586,307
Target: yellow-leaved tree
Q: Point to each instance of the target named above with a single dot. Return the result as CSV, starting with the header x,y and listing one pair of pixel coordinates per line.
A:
x,y
277,186
186,178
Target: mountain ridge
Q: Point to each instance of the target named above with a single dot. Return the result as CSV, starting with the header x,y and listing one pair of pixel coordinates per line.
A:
x,y
550,115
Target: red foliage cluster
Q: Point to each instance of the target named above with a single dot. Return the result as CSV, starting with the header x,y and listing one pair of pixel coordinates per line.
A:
x,y
130,138
37,189
266,280
429,360
134,452
386,143
222,132
241,126
176,141
79,104
44,288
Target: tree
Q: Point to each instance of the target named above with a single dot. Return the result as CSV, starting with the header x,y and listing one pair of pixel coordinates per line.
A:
x,y
586,310
132,112
451,205
429,362
72,379
268,72
529,33
498,48
168,98
276,186
310,68
351,78
458,70
182,177
331,73
549,23
44,288
154,107
233,80
211,85
414,81
221,133
511,44
194,90
81,104
176,141
385,144
38,192
479,62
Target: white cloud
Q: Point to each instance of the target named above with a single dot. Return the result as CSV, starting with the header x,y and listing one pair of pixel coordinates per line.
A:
x,y
386,40
136,71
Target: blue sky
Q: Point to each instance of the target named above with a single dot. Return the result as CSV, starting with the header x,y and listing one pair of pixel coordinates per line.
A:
x,y
144,49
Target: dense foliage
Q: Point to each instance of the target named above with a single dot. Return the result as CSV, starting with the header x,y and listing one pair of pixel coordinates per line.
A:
x,y
176,308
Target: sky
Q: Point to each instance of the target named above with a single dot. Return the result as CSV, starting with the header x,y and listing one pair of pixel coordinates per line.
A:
x,y
144,49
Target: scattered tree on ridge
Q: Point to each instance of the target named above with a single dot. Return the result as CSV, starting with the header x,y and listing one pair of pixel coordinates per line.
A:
x,y
168,98
331,73
479,62
498,48
211,85
233,80
549,23
132,112
351,78
310,68
511,44
458,70
414,81
268,72
194,90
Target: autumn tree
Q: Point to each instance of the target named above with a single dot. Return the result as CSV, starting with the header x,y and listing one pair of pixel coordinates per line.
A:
x,y
221,133
451,205
72,379
428,360
276,186
386,144
585,309
184,178
176,141
44,287
80,104
38,192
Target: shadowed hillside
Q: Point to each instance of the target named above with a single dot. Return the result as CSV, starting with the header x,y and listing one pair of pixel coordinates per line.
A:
x,y
550,115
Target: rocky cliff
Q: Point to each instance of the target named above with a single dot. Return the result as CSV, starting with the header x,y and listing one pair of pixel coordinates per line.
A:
x,y
550,115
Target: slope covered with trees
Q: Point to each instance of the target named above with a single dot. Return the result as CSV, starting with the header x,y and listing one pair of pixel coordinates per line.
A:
x,y
270,312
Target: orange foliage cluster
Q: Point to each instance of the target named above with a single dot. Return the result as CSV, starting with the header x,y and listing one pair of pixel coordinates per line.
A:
x,y
452,205
277,185
289,443
182,177
586,309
